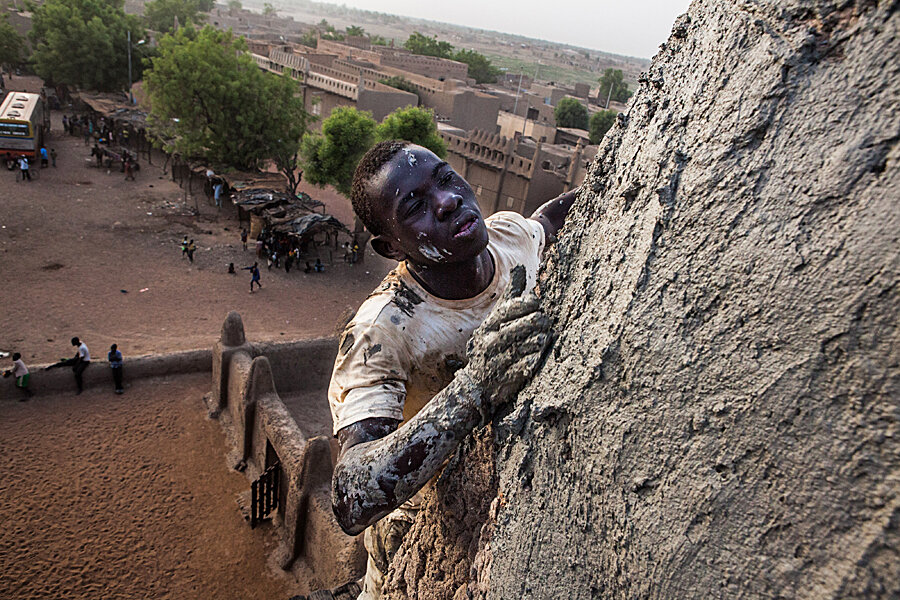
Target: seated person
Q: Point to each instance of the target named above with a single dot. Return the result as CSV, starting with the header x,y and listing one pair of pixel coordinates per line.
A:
x,y
402,358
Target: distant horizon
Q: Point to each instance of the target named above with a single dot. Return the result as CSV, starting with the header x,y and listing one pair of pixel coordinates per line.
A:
x,y
635,31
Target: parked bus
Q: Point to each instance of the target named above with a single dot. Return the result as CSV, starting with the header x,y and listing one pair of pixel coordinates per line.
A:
x,y
22,125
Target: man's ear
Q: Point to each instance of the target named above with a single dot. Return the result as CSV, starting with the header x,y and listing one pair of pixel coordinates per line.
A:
x,y
387,248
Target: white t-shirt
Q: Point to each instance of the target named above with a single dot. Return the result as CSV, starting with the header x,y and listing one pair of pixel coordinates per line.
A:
x,y
19,368
84,353
404,344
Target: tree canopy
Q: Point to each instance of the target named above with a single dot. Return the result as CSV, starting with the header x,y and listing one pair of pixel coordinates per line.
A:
x,y
12,46
571,113
330,157
401,83
414,125
428,46
613,79
209,99
160,14
600,123
355,30
269,10
85,43
480,68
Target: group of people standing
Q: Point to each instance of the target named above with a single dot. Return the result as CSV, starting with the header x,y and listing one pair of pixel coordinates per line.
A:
x,y
101,129
79,364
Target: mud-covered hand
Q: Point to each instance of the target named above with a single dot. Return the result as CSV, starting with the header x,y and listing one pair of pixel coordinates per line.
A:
x,y
507,348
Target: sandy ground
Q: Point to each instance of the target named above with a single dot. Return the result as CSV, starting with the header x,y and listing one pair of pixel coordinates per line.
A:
x,y
123,497
71,241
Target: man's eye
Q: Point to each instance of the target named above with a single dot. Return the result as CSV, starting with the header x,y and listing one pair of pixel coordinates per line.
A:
x,y
413,206
446,178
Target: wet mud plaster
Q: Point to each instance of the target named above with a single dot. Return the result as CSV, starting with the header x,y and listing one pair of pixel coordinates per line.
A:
x,y
718,417
405,298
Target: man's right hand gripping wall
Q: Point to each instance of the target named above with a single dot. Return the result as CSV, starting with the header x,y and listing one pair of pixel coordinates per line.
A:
x,y
411,379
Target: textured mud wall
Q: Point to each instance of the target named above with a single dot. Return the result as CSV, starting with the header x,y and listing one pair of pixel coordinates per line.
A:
x,y
718,417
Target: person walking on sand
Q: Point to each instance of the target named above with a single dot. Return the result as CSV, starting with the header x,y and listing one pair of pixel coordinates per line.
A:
x,y
20,372
244,238
184,247
24,168
45,158
53,157
115,364
190,251
254,275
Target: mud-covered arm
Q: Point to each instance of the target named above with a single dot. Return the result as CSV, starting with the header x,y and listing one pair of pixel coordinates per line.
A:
x,y
374,477
552,215
381,467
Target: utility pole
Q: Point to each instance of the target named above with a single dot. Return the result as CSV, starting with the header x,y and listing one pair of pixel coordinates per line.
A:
x,y
518,89
528,105
130,96
608,96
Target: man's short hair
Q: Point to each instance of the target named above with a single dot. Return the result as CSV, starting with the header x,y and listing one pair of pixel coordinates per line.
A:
x,y
75,341
369,165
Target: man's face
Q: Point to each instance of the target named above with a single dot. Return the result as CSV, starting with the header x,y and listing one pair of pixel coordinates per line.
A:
x,y
429,212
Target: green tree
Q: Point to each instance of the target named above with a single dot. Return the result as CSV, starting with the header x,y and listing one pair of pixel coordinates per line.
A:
x,y
310,38
161,14
85,43
428,46
235,6
571,113
12,46
401,84
355,30
600,124
414,125
378,40
612,79
269,10
330,157
205,5
210,100
480,68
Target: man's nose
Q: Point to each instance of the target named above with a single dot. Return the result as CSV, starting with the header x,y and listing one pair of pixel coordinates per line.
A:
x,y
446,204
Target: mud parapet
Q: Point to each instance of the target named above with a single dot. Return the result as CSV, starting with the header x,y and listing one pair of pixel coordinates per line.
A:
x,y
266,431
60,380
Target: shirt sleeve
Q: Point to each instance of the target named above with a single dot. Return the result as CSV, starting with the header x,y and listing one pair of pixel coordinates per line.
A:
x,y
513,225
369,377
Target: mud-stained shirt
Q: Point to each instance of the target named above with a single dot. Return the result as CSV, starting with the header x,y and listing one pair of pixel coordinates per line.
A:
x,y
404,344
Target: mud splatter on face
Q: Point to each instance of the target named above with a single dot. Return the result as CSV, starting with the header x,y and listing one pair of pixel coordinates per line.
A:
x,y
431,253
410,157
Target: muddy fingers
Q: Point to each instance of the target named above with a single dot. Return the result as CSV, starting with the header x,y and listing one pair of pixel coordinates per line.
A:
x,y
511,310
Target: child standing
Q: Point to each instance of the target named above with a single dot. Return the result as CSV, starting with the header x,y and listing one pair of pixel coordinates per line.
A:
x,y
20,372
116,363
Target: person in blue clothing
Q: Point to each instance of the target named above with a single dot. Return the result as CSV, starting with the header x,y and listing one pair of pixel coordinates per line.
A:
x,y
254,275
44,158
116,365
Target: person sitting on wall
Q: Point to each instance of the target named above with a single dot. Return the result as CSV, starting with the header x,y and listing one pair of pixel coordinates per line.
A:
x,y
401,394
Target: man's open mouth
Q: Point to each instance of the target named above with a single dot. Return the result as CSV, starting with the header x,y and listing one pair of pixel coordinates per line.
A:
x,y
466,226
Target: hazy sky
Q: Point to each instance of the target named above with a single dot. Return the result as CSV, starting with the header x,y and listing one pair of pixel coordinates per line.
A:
x,y
631,27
